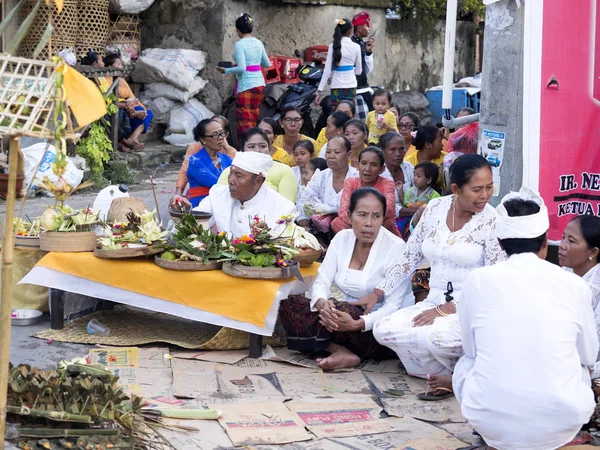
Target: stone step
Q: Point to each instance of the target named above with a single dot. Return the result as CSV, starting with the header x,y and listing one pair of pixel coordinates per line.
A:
x,y
155,153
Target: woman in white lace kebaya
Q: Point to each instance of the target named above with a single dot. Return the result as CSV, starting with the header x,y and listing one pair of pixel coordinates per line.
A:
x,y
456,235
579,250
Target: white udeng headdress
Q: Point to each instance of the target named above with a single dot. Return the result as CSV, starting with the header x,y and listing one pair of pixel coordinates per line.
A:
x,y
253,162
522,227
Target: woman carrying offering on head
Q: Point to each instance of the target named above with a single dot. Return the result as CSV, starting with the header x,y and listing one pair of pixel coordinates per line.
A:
x,y
356,132
579,250
318,204
202,168
371,164
291,121
250,57
280,177
456,235
343,64
356,261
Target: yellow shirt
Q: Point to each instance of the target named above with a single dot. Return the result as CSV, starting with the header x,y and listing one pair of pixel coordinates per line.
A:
x,y
321,141
280,178
374,132
285,157
412,149
414,160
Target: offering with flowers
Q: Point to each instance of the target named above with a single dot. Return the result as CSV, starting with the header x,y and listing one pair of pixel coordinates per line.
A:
x,y
66,219
139,230
191,242
26,228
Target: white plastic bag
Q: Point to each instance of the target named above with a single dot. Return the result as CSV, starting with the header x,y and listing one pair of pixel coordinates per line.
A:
x,y
178,67
35,153
129,6
181,140
166,90
184,118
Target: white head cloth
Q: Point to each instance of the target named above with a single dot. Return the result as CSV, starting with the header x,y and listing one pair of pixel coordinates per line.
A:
x,y
253,162
522,227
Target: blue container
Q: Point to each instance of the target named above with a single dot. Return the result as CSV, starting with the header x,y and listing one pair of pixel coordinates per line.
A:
x,y
460,99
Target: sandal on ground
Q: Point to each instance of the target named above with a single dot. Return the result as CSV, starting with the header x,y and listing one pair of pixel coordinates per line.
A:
x,y
429,396
123,148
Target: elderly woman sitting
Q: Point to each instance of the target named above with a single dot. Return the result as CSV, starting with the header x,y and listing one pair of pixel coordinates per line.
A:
x,y
356,261
371,164
319,202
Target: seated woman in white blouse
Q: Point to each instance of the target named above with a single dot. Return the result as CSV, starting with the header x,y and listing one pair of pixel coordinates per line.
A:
x,y
357,260
319,201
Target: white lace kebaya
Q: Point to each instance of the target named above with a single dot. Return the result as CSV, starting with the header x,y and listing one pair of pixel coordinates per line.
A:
x,y
434,349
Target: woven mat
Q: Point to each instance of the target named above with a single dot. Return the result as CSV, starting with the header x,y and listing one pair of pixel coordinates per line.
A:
x,y
135,327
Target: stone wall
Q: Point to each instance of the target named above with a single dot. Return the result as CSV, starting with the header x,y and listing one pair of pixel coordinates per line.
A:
x,y
408,54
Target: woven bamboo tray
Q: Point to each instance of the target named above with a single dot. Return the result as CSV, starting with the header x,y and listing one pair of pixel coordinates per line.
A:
x,y
256,273
186,265
94,23
27,241
126,253
72,241
306,257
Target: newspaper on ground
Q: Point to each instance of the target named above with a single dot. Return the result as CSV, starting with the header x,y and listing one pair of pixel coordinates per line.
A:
x,y
447,410
225,357
340,418
261,423
141,371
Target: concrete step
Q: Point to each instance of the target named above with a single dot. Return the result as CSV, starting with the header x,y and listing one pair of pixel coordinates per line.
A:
x,y
155,153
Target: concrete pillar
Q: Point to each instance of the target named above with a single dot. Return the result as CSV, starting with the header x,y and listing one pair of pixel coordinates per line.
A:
x,y
502,88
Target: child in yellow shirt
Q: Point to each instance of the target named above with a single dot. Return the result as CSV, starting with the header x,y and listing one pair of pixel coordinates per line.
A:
x,y
380,121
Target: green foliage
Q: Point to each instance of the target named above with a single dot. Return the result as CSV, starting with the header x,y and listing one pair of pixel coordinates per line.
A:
x,y
118,172
435,9
97,146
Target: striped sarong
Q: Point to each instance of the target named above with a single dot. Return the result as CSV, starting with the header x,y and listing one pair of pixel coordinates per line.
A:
x,y
247,108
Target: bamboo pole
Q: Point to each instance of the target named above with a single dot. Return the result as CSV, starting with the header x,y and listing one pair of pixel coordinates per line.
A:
x,y
6,282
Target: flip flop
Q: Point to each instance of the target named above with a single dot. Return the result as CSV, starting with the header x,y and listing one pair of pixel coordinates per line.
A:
x,y
429,396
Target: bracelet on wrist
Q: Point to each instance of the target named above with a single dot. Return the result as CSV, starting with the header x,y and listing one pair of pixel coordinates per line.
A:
x,y
440,312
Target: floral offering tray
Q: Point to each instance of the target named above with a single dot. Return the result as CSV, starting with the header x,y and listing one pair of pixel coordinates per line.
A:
x,y
186,265
128,252
261,273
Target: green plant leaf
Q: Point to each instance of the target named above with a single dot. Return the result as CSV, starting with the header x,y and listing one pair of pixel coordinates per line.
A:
x,y
14,43
43,41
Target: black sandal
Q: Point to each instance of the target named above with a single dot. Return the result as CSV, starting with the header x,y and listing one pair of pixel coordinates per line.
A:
x,y
429,396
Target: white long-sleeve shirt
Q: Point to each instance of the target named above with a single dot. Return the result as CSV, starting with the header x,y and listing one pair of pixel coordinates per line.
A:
x,y
528,328
343,79
358,283
234,218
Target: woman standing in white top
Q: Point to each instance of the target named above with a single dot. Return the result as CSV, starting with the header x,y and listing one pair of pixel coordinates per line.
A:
x,y
344,62
319,203
356,261
579,250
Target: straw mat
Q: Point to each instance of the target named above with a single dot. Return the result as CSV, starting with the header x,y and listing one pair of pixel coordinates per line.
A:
x,y
134,327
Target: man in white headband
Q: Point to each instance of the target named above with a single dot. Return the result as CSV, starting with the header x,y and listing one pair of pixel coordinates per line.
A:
x,y
528,337
233,206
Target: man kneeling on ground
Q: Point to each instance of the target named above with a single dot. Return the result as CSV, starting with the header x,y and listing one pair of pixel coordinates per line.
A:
x,y
528,336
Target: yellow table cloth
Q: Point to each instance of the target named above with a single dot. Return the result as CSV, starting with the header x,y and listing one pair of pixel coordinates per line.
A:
x,y
240,299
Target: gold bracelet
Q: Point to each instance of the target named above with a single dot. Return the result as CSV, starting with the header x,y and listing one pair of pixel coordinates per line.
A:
x,y
440,312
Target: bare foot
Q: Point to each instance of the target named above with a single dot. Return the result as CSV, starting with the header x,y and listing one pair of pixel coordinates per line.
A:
x,y
340,358
435,382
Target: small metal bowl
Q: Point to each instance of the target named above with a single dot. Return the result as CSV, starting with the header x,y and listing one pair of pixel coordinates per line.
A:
x,y
25,317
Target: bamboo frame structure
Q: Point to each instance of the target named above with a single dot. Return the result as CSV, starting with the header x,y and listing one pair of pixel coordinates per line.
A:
x,y
7,280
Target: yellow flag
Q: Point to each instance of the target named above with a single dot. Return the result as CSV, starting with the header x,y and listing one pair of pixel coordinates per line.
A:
x,y
84,97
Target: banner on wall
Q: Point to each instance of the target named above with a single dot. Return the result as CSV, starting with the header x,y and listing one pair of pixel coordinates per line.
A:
x,y
569,145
